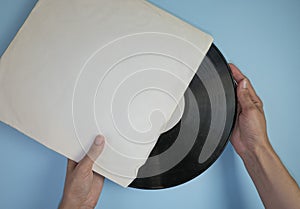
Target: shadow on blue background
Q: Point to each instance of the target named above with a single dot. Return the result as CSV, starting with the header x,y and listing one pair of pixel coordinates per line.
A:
x,y
261,37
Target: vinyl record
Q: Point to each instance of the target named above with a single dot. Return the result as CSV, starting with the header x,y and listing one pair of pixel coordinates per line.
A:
x,y
198,139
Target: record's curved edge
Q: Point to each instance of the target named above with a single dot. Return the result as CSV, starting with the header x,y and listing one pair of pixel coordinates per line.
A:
x,y
160,182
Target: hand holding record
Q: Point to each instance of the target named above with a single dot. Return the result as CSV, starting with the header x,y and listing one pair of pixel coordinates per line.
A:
x,y
275,185
82,185
250,126
249,138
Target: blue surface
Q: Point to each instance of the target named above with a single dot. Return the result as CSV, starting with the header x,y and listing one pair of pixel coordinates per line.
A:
x,y
261,37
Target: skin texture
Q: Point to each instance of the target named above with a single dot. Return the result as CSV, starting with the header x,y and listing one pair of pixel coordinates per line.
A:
x,y
82,185
274,184
250,130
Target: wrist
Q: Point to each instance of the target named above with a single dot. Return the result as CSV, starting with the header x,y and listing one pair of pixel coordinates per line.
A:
x,y
69,203
256,151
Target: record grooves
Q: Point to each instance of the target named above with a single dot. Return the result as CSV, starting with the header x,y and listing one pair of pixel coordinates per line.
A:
x,y
202,133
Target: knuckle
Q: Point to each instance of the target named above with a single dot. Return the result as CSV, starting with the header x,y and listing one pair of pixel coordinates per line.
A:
x,y
251,109
242,93
83,165
83,171
260,102
248,80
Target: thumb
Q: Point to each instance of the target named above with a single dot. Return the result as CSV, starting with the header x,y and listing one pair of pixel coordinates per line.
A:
x,y
93,153
244,97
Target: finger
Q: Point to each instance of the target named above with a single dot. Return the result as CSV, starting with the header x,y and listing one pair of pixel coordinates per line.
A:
x,y
257,101
237,74
239,77
97,186
95,150
254,95
238,110
244,97
98,181
71,165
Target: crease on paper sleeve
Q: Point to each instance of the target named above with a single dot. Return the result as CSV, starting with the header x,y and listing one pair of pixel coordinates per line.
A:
x,y
79,68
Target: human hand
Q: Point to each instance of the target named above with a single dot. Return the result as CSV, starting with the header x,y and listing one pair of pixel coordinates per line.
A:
x,y
249,132
82,185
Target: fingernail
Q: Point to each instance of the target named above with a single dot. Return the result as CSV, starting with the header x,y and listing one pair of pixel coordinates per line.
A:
x,y
99,140
244,84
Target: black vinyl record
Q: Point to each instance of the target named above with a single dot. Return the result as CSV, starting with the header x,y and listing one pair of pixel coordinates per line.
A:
x,y
198,139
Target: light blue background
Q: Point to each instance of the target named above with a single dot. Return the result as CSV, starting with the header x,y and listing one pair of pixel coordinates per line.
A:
x,y
261,37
